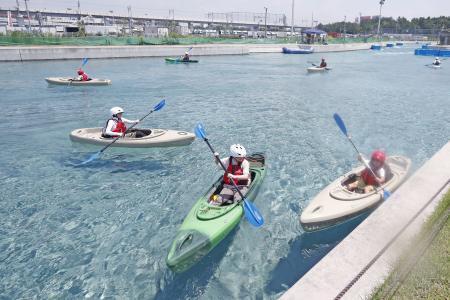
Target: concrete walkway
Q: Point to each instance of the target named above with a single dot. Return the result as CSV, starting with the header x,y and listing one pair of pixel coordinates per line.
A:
x,y
26,53
361,262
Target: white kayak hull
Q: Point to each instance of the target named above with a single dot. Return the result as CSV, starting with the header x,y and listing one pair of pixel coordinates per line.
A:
x,y
317,69
70,81
335,203
157,138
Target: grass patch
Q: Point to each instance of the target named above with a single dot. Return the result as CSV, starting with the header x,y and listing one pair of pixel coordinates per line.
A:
x,y
424,271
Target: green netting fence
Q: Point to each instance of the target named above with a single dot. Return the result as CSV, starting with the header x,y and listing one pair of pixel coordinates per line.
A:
x,y
22,39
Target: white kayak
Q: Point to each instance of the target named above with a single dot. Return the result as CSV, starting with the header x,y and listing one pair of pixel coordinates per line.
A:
x,y
155,138
435,66
335,203
70,81
316,69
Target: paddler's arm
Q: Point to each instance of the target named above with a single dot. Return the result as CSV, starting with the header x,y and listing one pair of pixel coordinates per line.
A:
x,y
130,121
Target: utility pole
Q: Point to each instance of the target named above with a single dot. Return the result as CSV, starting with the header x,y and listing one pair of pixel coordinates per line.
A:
x,y
345,19
379,20
265,23
129,19
28,16
312,20
292,20
18,8
79,10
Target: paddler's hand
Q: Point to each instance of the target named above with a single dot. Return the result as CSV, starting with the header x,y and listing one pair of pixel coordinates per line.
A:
x,y
231,176
216,154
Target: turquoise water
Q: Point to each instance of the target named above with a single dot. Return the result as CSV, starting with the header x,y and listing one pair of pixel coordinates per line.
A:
x,y
104,229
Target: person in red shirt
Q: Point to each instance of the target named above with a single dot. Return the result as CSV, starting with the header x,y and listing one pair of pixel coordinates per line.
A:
x,y
367,182
82,76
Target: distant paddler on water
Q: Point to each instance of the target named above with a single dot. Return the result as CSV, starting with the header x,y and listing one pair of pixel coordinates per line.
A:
x,y
182,59
318,68
81,79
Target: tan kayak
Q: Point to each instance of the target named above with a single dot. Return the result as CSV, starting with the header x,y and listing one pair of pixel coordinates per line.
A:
x,y
155,138
335,203
70,81
317,69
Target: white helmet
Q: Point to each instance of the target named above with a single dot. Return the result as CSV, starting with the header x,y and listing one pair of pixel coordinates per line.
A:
x,y
116,110
437,58
186,52
238,150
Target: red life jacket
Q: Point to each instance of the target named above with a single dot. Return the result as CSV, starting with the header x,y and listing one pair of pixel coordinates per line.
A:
x,y
234,170
119,127
85,77
368,177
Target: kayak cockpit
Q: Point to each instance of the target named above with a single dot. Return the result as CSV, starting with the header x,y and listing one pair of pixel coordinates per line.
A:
x,y
207,210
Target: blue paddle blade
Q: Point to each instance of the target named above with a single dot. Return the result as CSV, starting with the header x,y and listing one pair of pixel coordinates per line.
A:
x,y
386,194
252,214
84,61
159,105
200,131
91,158
340,123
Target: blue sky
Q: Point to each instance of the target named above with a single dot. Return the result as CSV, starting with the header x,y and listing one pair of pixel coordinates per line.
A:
x,y
324,11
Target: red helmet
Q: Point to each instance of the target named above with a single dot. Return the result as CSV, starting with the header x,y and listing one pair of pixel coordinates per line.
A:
x,y
379,156
80,72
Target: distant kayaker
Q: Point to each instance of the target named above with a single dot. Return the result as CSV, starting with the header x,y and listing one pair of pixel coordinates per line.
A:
x,y
115,126
366,181
238,170
436,61
82,76
186,56
323,64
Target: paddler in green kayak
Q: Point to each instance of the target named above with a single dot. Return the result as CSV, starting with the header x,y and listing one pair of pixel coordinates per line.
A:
x,y
238,170
185,57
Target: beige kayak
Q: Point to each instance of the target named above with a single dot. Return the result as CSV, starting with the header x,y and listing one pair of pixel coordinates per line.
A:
x,y
155,138
70,81
335,203
317,69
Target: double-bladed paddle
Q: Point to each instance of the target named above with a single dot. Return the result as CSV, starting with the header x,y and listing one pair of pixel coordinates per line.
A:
x,y
97,154
251,212
342,127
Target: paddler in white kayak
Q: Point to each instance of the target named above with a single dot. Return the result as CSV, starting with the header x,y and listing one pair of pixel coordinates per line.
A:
x,y
81,76
238,170
366,181
323,64
436,61
115,126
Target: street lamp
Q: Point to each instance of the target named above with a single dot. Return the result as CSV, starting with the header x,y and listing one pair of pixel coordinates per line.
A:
x,y
265,23
379,19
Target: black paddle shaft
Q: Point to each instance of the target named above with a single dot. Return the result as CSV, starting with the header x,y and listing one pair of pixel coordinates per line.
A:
x,y
116,138
225,169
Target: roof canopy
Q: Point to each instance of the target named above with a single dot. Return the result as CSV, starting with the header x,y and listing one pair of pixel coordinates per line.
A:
x,y
314,31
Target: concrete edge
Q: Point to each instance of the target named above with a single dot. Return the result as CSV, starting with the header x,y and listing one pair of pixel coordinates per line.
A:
x,y
382,229
30,53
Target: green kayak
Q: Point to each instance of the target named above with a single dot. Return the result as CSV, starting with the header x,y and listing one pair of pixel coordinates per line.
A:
x,y
178,60
206,225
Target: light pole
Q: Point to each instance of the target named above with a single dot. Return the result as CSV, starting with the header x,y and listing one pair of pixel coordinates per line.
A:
x,y
265,23
292,20
379,20
345,20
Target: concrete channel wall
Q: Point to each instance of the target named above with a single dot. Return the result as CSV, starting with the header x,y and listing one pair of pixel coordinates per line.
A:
x,y
26,53
362,261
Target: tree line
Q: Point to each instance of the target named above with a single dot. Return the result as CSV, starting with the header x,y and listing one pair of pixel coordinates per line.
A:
x,y
389,24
